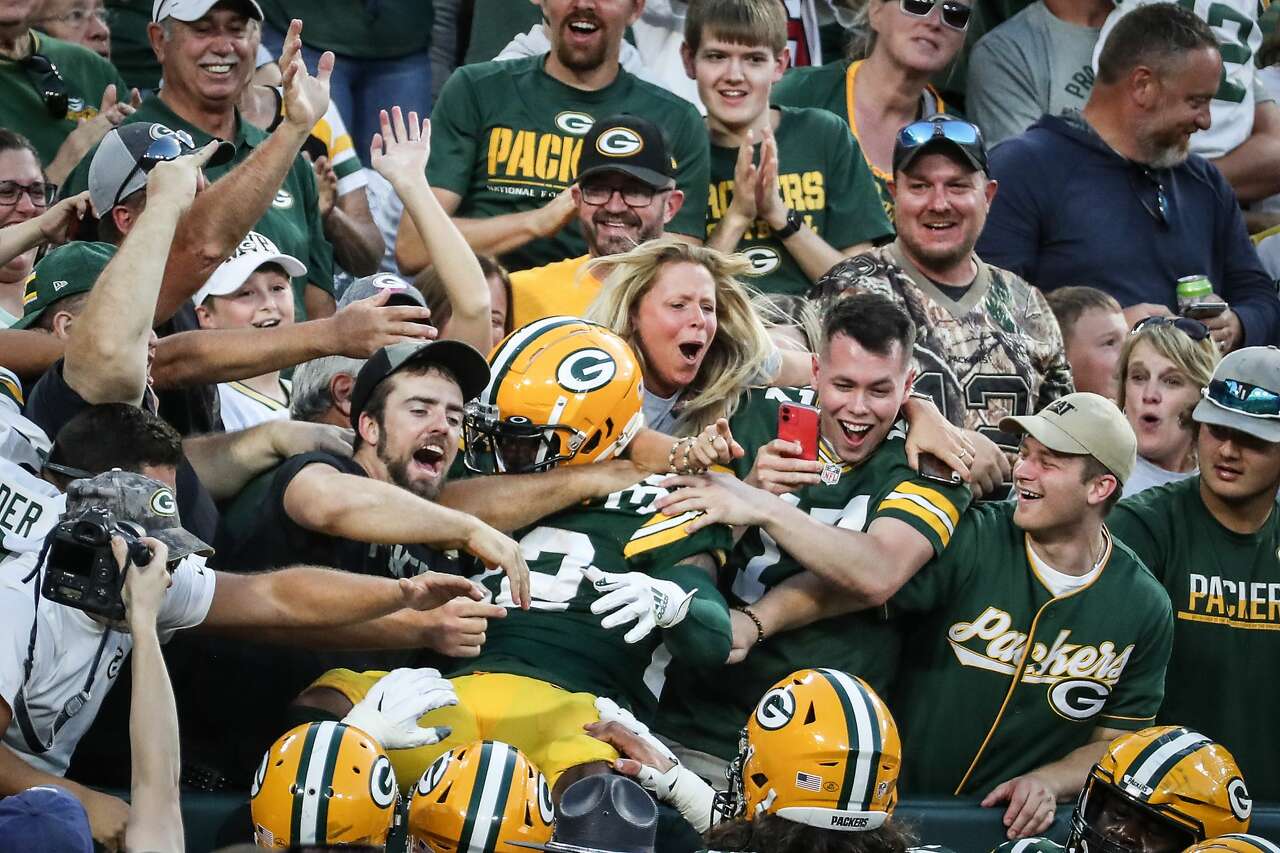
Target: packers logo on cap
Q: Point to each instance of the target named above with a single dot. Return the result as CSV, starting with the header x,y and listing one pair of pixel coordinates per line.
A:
x,y
255,243
576,123
163,503
586,370
619,142
387,281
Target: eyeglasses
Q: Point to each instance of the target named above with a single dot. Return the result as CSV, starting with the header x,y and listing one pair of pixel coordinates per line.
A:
x,y
954,15
45,78
40,193
78,17
1193,329
633,195
171,146
1160,212
1243,398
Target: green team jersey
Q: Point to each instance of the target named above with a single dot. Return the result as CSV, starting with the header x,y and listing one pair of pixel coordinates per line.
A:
x,y
292,221
85,76
999,676
821,175
705,709
1029,845
506,137
559,640
385,29
831,87
1225,588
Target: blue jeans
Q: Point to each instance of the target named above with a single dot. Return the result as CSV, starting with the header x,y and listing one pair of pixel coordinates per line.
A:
x,y
362,87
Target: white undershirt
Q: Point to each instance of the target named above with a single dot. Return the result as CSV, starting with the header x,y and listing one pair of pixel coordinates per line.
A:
x,y
1060,583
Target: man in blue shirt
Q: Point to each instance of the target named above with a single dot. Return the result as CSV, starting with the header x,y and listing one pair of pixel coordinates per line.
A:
x,y
1111,197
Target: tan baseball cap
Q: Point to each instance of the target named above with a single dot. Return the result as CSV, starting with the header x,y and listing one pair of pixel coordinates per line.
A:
x,y
1083,424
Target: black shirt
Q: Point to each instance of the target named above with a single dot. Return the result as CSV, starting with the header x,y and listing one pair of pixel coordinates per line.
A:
x,y
52,402
193,410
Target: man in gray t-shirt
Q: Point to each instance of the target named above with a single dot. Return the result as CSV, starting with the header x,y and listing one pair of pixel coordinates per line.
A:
x,y
1039,61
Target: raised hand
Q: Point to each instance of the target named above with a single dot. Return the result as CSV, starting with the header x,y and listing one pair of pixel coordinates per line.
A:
x,y
306,97
400,151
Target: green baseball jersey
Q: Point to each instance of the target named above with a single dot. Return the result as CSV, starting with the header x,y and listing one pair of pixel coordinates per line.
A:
x,y
559,639
506,137
831,87
821,175
1000,676
383,30
705,710
991,352
1225,588
292,221
85,76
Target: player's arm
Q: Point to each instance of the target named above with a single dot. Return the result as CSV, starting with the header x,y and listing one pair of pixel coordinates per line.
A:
x,y
225,462
1033,797
703,637
306,597
325,500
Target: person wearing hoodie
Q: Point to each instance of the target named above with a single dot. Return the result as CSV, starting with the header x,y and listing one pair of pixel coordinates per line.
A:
x,y
1112,195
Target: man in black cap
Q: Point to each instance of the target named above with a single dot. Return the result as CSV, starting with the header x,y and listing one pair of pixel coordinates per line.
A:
x,y
987,343
625,195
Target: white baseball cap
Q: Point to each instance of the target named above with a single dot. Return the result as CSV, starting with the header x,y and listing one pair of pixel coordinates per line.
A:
x,y
254,251
193,10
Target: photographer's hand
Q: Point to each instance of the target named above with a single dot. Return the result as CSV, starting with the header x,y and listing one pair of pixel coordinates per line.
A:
x,y
144,586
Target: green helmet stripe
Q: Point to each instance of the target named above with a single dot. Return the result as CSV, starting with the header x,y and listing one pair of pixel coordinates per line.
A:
x,y
516,344
330,762
309,819
300,784
863,730
494,773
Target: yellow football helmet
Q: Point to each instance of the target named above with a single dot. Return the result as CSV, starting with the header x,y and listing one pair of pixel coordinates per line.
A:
x,y
563,391
1235,843
821,749
482,796
1165,787
323,783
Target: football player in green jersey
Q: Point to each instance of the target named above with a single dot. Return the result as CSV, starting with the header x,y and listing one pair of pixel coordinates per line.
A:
x,y
1159,790
810,201
1019,624
1213,540
858,517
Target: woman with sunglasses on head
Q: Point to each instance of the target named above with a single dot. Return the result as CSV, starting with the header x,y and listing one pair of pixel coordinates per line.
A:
x,y
1165,364
884,85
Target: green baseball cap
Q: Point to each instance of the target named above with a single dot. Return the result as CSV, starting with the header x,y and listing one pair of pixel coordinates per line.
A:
x,y
65,271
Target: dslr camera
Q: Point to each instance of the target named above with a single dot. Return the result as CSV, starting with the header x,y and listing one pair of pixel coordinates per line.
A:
x,y
81,570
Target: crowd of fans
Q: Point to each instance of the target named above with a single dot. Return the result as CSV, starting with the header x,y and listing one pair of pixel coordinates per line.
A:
x,y
380,403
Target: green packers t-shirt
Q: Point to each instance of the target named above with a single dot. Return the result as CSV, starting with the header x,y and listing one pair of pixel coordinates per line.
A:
x,y
292,221
506,136
831,87
558,639
822,175
384,29
85,75
704,709
1225,588
999,676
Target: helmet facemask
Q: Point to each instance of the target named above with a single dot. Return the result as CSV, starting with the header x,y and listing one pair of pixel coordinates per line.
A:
x,y
516,445
1105,820
731,803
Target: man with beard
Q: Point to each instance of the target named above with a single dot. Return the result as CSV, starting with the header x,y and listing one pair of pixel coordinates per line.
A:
x,y
987,344
1111,196
625,195
506,138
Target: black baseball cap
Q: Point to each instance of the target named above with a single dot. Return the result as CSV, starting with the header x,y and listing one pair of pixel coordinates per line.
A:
x,y
462,360
940,131
629,144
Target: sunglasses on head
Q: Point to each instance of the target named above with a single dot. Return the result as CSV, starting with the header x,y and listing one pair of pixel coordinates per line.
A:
x,y
171,146
1193,329
45,78
954,15
1243,398
923,132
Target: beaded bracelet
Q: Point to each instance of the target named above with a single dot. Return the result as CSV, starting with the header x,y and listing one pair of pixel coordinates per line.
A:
x,y
756,620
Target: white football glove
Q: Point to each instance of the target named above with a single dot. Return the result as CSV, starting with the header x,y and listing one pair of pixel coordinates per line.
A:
x,y
389,712
679,787
636,597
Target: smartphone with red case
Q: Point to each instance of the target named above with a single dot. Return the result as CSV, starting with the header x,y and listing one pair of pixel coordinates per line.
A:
x,y
799,423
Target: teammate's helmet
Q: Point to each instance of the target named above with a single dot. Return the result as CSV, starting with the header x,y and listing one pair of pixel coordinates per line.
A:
x,y
1169,784
821,749
323,783
482,796
1235,844
562,391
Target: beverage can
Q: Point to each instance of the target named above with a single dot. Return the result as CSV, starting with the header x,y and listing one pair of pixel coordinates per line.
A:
x,y
1193,289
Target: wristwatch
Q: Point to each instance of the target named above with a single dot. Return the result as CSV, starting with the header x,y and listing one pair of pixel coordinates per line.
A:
x,y
794,221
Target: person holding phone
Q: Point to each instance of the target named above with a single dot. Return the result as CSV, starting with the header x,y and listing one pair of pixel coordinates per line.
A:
x,y
853,513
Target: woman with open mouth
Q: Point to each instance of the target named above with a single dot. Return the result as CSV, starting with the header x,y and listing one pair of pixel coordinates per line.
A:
x,y
1164,366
